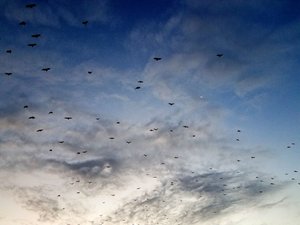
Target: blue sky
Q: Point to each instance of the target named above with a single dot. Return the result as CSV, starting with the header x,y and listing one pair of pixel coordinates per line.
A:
x,y
183,163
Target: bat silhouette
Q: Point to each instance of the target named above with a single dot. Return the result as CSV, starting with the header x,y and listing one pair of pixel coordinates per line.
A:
x,y
36,35
32,45
32,5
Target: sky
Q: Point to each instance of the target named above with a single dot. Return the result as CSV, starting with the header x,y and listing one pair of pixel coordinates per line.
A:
x,y
94,130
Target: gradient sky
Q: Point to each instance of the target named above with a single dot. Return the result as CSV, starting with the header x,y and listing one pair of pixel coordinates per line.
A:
x,y
183,164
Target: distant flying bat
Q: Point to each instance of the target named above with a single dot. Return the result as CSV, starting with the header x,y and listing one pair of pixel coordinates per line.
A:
x,y
31,117
8,51
22,23
175,157
89,72
140,81
61,142
32,5
171,130
252,157
128,142
32,45
36,35
145,155
238,131
186,126
237,139
171,103
50,150
138,87
39,130
84,151
8,74
288,146
78,153
50,112
97,118
25,106
111,138
219,55
157,58
293,143
118,122
68,118
85,22
46,69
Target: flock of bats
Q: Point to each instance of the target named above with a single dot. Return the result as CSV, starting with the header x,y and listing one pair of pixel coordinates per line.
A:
x,y
47,69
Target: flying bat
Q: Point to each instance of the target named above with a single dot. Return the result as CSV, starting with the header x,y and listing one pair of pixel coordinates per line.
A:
x,y
32,45
157,58
32,5
22,23
36,35
46,69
